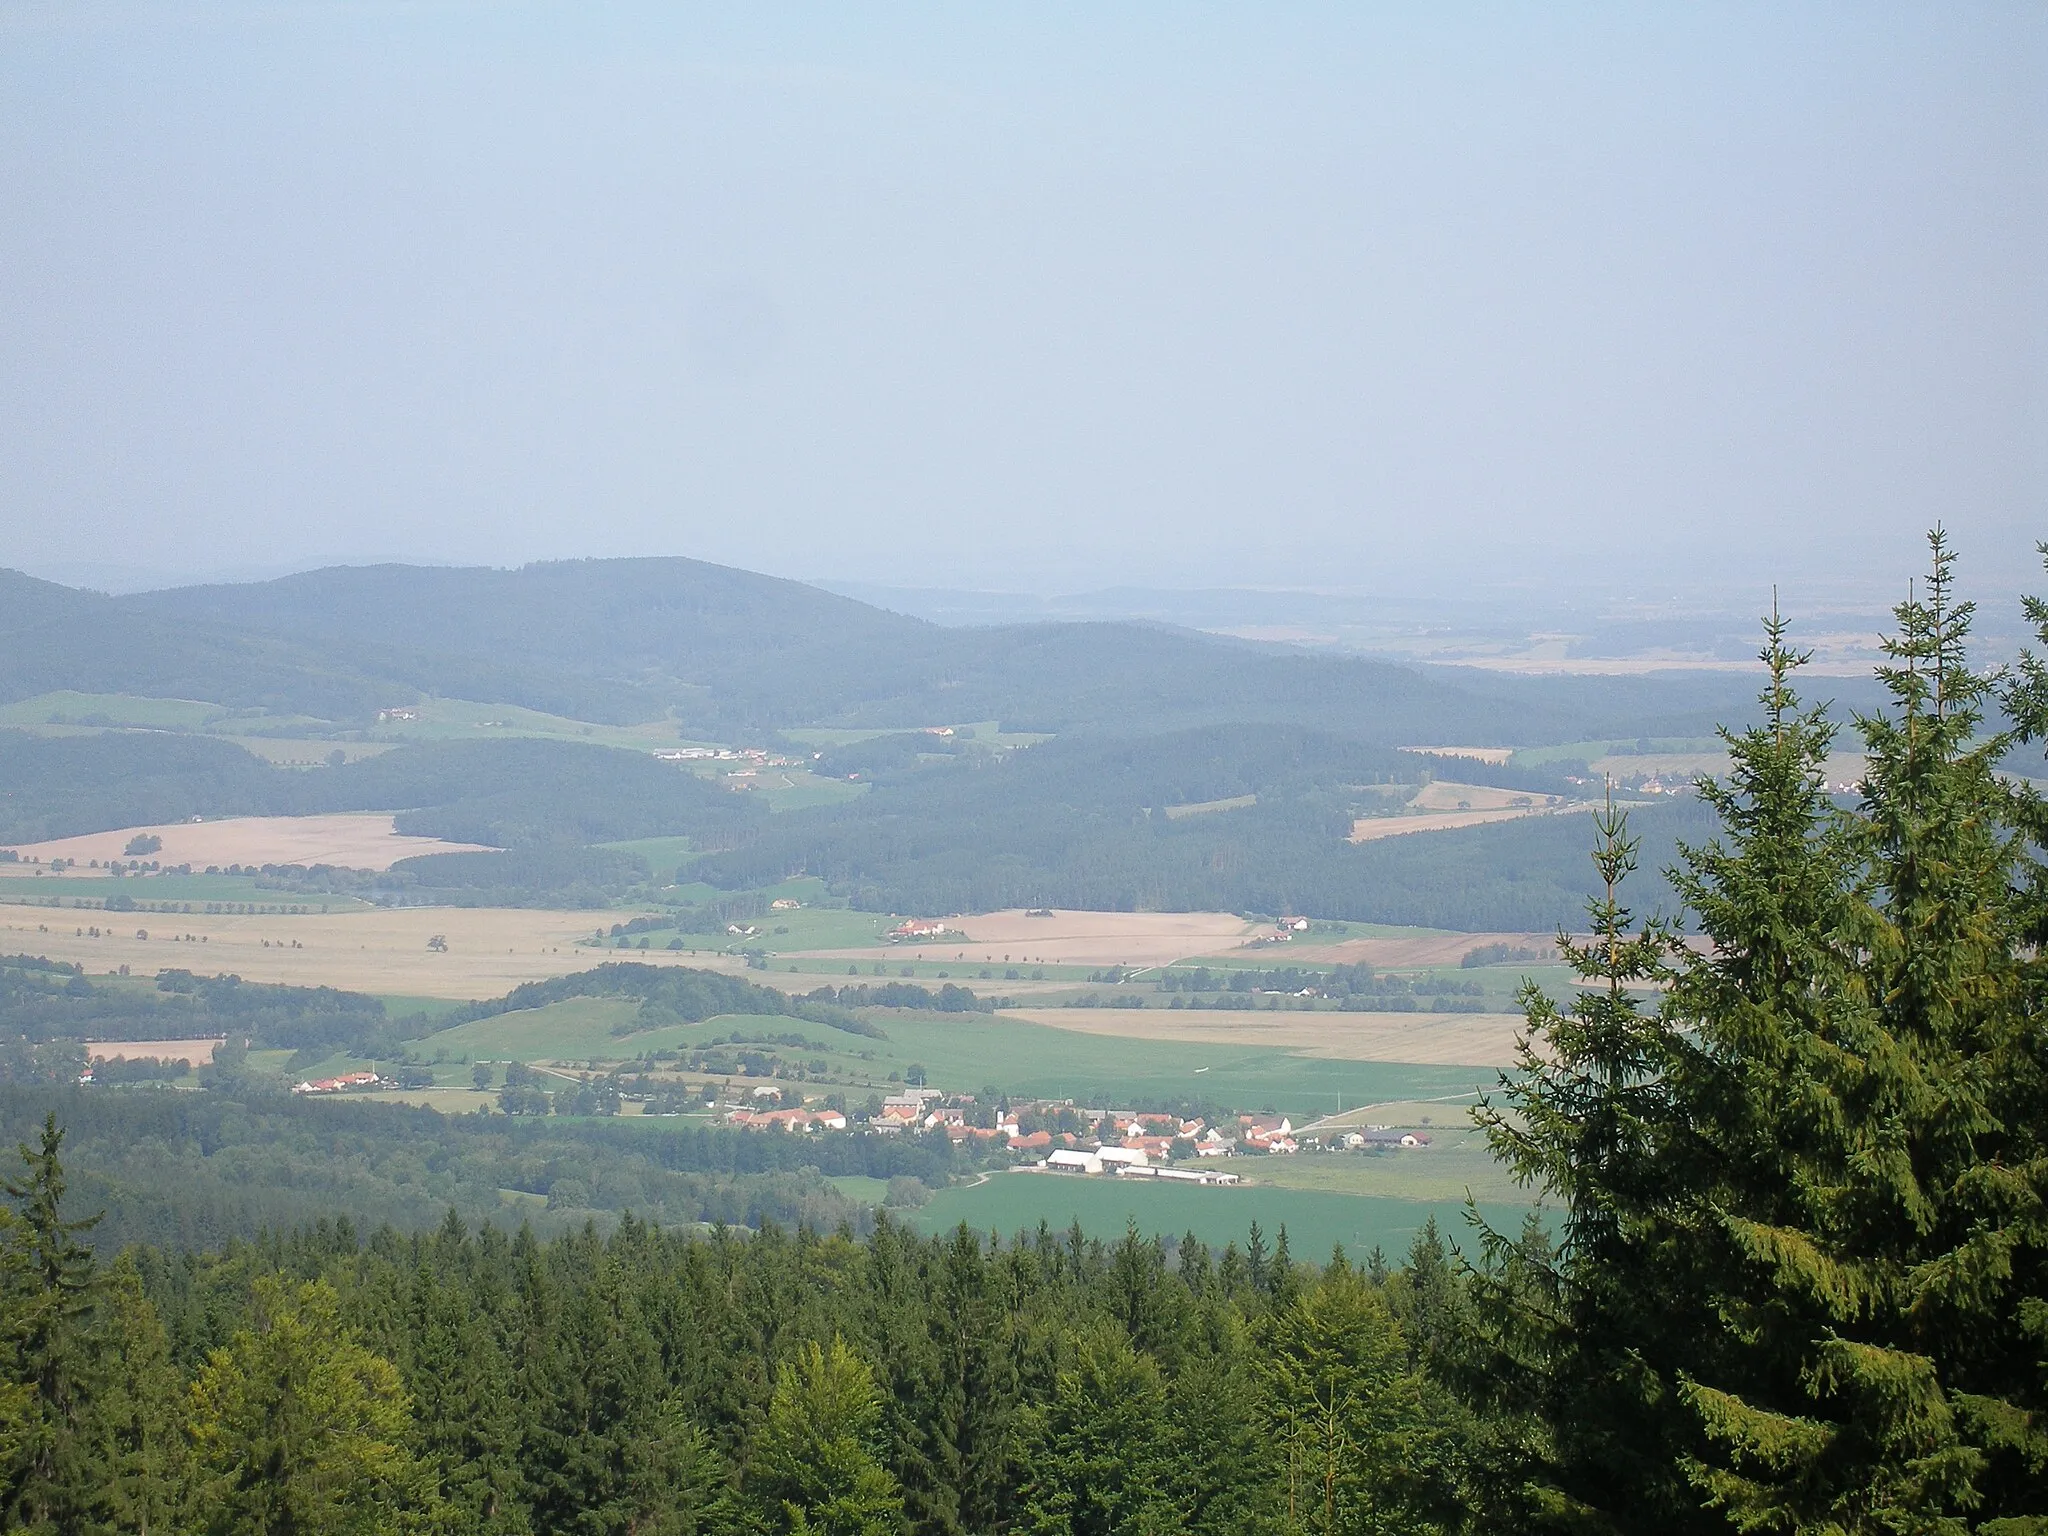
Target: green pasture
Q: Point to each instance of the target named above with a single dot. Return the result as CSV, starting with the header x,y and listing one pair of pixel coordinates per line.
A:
x,y
580,1029
1458,1162
1316,1221
161,892
961,1053
467,720
798,789
986,732
103,709
816,927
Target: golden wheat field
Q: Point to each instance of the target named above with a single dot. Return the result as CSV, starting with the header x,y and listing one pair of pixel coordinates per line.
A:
x,y
489,949
351,841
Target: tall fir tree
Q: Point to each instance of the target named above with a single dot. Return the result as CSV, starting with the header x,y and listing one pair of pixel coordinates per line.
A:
x,y
1799,1208
52,1293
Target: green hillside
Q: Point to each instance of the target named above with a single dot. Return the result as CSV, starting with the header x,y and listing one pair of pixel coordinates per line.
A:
x,y
622,641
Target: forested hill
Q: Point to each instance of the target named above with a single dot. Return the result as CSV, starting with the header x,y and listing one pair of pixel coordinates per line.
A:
x,y
1227,818
506,794
623,640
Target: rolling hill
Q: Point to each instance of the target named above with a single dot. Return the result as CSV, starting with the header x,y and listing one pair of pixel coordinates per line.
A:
x,y
727,651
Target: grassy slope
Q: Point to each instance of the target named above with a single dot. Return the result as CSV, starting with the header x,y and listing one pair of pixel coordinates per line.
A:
x,y
580,1029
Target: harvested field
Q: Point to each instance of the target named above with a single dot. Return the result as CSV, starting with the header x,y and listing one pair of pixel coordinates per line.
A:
x,y
197,1052
1443,795
365,840
1429,949
1367,828
490,949
1425,1039
1068,938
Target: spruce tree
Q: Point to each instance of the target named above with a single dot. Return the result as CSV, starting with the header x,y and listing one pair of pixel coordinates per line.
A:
x,y
48,1311
300,1431
137,1453
1346,1406
1798,1283
815,1467
1098,1449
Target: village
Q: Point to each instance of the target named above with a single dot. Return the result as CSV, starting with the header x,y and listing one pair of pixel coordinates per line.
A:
x,y
1060,1138
1046,1136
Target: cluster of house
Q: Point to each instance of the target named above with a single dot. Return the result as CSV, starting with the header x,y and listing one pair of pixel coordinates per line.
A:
x,y
921,928
759,757
801,1121
1122,1142
343,1084
1283,932
1153,1135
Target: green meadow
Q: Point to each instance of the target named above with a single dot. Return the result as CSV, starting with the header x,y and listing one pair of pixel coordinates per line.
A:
x,y
153,893
1315,1221
444,719
581,1029
963,1053
798,789
112,709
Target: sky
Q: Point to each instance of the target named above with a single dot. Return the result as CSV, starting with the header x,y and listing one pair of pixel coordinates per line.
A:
x,y
1436,298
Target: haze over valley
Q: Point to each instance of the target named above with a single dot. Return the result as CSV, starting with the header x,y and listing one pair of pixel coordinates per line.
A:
x,y
1023,771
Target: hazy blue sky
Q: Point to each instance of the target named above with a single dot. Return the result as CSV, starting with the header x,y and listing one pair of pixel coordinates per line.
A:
x,y
1032,296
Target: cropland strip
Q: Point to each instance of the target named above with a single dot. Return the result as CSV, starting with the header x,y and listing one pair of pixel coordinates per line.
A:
x,y
1426,1039
490,950
1428,949
198,1052
1443,795
350,841
1067,938
1368,829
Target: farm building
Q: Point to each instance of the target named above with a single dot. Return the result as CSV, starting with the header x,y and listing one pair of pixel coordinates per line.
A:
x,y
340,1084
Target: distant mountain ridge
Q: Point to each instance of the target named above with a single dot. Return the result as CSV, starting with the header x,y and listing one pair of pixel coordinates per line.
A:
x,y
729,651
